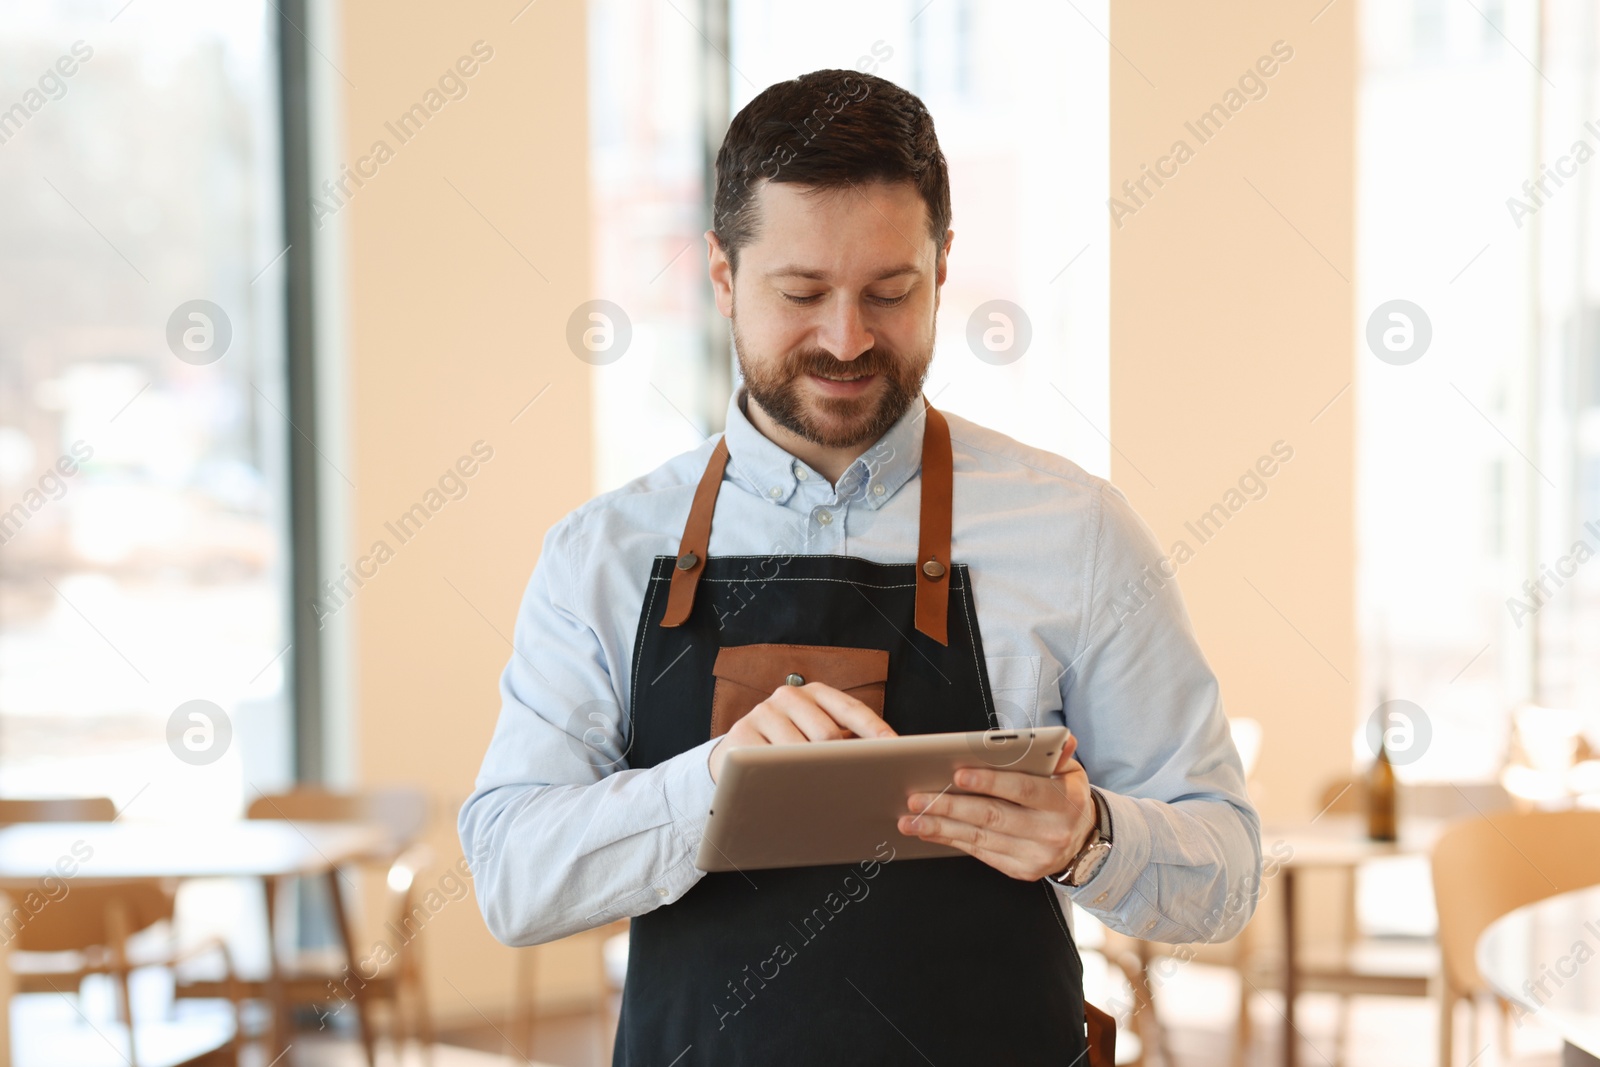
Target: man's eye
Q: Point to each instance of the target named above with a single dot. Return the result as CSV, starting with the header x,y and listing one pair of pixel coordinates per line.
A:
x,y
802,300
891,301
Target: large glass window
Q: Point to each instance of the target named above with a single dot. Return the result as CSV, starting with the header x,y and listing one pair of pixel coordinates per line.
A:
x,y
143,431
1479,469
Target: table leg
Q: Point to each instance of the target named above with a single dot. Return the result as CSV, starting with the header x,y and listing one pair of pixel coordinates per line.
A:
x,y
7,988
278,1032
1291,1036
347,939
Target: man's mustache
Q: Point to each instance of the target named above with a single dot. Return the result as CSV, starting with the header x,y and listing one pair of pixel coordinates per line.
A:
x,y
825,365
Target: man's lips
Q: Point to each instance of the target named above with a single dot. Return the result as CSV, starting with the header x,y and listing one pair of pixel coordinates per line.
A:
x,y
837,388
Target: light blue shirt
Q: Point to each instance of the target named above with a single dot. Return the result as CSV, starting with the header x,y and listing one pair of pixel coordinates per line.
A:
x,y
1079,622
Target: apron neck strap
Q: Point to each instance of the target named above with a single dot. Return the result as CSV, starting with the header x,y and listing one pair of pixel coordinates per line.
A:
x,y
933,533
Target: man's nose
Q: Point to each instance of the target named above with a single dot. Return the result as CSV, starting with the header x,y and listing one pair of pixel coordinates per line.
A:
x,y
845,334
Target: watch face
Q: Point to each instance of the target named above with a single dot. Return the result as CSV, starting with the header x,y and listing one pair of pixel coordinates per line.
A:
x,y
1089,865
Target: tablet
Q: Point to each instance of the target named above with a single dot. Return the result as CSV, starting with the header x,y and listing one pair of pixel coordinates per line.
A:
x,y
839,801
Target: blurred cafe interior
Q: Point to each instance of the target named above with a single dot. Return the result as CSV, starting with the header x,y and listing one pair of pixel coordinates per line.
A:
x,y
298,370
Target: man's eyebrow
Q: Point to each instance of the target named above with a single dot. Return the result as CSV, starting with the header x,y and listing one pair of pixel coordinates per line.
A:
x,y
797,271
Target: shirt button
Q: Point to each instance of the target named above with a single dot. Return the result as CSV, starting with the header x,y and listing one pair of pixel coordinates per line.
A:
x,y
775,491
824,517
660,892
800,472
1101,899
1151,925
878,489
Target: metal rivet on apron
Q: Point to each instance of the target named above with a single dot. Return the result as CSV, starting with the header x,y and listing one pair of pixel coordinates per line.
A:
x,y
933,569
687,561
794,679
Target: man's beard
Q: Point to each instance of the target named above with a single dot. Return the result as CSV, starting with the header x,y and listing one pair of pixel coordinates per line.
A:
x,y
779,387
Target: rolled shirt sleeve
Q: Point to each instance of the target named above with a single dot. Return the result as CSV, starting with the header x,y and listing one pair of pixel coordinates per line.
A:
x,y
560,834
1147,711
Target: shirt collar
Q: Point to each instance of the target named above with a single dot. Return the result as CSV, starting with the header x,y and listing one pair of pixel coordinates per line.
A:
x,y
770,470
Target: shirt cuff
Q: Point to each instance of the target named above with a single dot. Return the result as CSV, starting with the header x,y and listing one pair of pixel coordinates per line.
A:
x,y
1130,855
688,789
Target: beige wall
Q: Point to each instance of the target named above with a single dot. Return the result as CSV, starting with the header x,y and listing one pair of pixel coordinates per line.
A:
x,y
1232,327
450,333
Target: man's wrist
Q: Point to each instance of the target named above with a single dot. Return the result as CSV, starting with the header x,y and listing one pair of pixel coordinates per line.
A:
x,y
1091,856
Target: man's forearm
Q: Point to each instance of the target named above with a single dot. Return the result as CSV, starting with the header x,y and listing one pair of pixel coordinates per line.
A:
x,y
550,860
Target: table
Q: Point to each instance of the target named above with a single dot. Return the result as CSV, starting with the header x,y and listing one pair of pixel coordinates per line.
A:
x,y
268,849
1542,958
1330,842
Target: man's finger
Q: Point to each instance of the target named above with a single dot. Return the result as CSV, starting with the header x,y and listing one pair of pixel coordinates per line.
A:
x,y
998,815
847,711
778,729
1068,751
969,838
1019,787
815,723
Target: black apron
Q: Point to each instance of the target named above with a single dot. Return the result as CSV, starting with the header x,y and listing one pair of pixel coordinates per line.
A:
x,y
912,961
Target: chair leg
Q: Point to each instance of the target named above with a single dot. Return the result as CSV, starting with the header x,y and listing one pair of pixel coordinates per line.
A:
x,y
424,1019
1447,1004
1341,1029
1504,1027
1244,1031
119,929
522,1003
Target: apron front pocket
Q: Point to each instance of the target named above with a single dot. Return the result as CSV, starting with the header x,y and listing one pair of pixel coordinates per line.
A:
x,y
748,674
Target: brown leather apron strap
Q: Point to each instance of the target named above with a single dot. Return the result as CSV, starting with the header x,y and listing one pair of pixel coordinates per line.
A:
x,y
933,533
696,539
933,530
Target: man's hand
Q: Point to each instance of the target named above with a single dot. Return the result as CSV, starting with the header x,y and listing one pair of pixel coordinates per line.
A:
x,y
1024,825
797,713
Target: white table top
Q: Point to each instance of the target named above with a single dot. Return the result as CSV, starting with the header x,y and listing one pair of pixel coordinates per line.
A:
x,y
1541,958
124,850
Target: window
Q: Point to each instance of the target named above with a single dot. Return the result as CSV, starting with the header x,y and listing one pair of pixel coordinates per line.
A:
x,y
143,434
1478,456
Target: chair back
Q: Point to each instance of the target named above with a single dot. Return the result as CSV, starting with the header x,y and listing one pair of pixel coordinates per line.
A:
x,y
58,809
85,916
1484,867
403,810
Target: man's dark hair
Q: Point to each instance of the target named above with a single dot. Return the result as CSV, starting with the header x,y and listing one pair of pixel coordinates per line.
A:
x,y
828,129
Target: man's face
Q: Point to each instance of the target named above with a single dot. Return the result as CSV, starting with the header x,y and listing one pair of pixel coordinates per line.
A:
x,y
833,308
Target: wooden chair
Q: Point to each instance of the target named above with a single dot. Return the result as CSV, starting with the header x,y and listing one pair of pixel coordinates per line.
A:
x,y
1486,867
87,931
1355,963
400,983
58,809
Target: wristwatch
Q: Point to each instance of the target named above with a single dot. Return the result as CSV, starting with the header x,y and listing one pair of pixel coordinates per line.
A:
x,y
1092,856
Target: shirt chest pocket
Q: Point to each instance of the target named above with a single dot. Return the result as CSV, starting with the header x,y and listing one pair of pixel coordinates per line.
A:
x,y
1014,681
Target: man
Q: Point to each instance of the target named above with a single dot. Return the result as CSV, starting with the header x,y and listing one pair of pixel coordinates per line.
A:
x,y
851,514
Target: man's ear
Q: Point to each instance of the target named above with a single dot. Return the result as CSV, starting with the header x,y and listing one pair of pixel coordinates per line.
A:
x,y
943,267
721,274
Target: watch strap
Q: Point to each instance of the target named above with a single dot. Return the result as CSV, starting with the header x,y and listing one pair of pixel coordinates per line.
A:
x,y
1104,808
